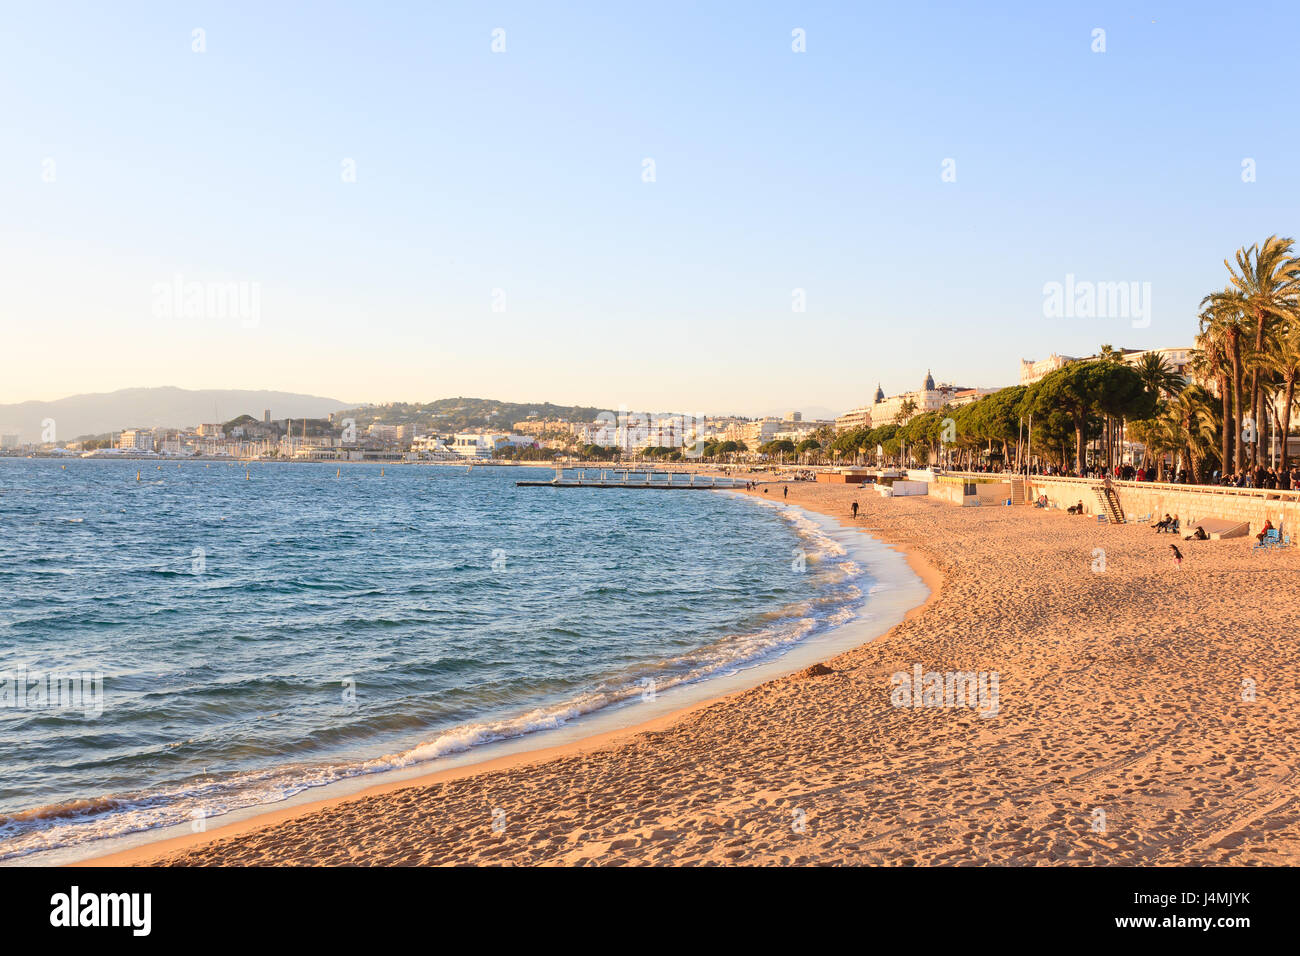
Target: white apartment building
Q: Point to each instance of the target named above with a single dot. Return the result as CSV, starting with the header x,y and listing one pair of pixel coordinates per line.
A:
x,y
762,430
482,445
864,416
854,418
968,396
428,444
1031,371
1179,359
136,439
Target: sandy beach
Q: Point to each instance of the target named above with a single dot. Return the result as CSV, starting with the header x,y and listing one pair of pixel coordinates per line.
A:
x,y
1125,730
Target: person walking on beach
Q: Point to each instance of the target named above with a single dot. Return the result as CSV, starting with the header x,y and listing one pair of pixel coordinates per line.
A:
x,y
855,511
785,491
1178,555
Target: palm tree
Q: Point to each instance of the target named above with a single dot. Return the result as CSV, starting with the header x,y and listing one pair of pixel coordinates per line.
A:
x,y
905,411
1158,375
1193,415
1265,288
1210,362
1281,364
1160,435
1222,319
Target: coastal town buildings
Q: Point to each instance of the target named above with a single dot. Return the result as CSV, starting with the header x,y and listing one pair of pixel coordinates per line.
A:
x,y
484,444
928,398
1179,359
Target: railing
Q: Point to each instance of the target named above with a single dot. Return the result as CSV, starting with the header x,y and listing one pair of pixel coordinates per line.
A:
x,y
1265,494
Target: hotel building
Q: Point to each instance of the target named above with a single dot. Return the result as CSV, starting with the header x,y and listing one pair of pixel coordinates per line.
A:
x,y
136,439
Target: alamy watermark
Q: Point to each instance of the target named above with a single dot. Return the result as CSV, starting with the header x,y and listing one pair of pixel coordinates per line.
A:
x,y
217,301
1082,299
53,690
628,429
922,688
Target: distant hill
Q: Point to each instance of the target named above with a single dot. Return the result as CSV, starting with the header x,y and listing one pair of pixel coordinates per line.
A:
x,y
456,414
166,407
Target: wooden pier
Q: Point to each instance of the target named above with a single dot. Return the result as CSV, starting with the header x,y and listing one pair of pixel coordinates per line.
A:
x,y
626,478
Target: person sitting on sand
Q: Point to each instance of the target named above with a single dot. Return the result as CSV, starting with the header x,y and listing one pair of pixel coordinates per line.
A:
x,y
1197,535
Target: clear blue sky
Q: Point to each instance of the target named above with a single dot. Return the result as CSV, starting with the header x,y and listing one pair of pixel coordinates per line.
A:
x,y
522,171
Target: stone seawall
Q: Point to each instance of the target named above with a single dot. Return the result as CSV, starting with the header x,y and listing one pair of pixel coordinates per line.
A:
x,y
1190,502
987,493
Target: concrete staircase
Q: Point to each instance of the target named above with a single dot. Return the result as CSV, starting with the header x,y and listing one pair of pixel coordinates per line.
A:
x,y
1108,502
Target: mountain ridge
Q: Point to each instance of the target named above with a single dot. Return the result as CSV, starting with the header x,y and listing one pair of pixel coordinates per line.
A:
x,y
165,406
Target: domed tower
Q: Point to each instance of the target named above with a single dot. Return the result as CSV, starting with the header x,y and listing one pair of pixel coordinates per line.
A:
x,y
929,381
880,394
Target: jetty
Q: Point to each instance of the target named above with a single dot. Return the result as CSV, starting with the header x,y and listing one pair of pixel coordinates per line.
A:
x,y
630,478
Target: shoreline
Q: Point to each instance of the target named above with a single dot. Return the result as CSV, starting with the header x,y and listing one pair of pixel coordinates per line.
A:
x,y
1144,716
268,815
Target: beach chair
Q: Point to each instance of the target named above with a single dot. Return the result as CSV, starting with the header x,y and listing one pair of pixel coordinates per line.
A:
x,y
1103,519
1142,519
1272,539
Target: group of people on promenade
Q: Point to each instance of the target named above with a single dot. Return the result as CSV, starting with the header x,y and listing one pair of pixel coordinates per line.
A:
x,y
1280,478
1261,478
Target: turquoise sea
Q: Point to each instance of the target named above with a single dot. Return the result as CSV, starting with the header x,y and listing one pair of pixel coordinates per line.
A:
x,y
257,637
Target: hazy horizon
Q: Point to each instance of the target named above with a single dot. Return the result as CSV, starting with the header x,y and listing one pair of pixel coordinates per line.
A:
x,y
389,210
808,410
